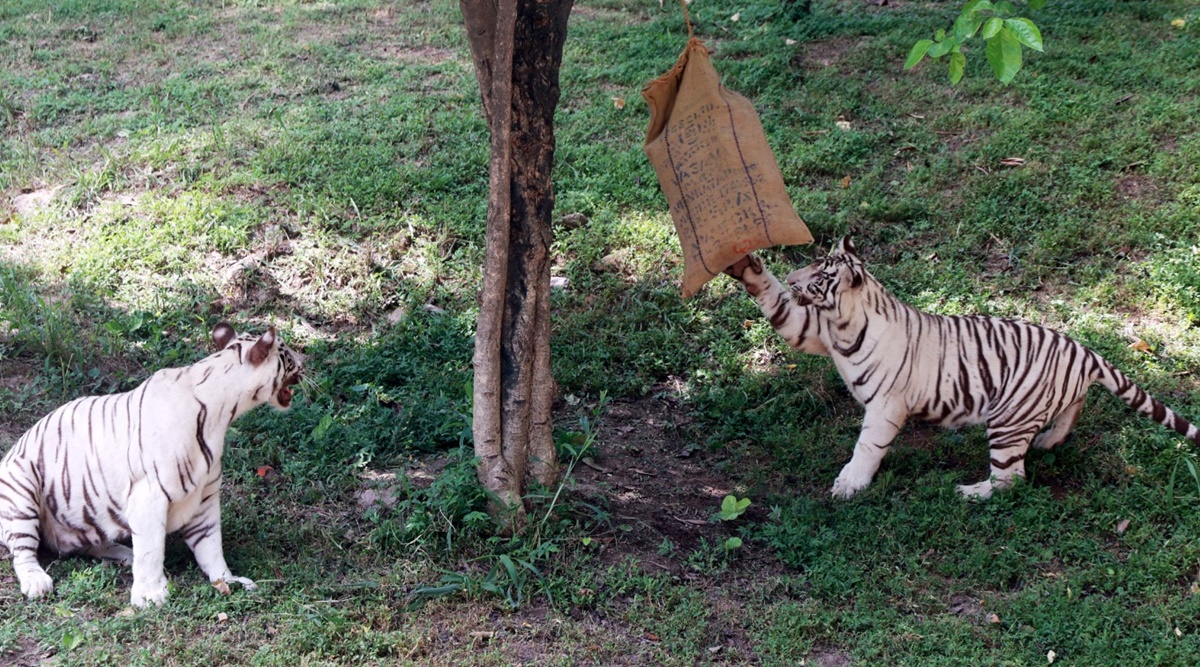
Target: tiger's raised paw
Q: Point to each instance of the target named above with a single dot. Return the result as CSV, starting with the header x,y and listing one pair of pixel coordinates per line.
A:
x,y
36,584
738,268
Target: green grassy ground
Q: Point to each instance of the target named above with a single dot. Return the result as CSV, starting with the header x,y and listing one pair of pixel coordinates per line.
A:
x,y
322,166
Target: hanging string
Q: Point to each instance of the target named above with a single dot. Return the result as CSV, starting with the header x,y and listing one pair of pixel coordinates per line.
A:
x,y
687,20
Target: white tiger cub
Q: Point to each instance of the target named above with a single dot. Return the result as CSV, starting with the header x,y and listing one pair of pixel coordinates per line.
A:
x,y
901,364
139,465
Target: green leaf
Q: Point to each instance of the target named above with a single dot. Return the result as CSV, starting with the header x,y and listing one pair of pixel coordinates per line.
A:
x,y
958,64
1026,32
992,27
732,508
977,6
1036,4
940,49
917,53
1005,8
733,543
966,25
1004,55
939,35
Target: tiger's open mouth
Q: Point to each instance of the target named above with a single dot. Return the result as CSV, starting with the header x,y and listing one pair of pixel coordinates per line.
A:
x,y
284,395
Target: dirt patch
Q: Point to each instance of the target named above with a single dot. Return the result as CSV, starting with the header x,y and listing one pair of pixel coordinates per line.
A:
x,y
827,53
828,658
427,55
26,653
1137,187
661,490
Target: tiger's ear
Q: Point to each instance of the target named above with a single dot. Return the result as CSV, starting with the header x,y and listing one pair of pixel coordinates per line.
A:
x,y
856,279
262,347
846,246
223,334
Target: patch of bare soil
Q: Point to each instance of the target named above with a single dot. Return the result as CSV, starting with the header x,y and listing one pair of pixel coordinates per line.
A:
x,y
828,52
26,654
1138,188
661,490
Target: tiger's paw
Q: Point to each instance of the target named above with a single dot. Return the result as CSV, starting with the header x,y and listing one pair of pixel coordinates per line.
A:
x,y
247,584
846,485
738,268
143,595
980,491
35,584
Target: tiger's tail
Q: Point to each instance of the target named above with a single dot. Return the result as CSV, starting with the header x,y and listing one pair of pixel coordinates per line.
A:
x,y
1124,388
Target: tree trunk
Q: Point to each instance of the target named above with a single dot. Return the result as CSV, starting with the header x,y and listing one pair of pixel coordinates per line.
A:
x,y
517,48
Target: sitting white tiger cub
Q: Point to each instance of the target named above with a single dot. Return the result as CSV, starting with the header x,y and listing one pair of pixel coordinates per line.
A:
x,y
901,364
139,464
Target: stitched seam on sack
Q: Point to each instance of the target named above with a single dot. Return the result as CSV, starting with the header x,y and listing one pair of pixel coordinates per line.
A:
x,y
762,216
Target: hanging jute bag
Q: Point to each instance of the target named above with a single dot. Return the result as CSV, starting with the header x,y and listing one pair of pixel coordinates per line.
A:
x,y
714,165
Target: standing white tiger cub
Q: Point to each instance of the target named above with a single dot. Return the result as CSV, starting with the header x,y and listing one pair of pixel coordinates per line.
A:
x,y
139,464
901,364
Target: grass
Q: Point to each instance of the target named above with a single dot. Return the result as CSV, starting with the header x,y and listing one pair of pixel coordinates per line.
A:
x,y
322,167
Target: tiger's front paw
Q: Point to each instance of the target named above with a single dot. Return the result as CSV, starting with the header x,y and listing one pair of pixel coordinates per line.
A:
x,y
849,483
143,595
35,584
247,584
738,268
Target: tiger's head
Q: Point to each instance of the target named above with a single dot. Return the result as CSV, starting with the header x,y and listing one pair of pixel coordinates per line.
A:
x,y
822,283
276,367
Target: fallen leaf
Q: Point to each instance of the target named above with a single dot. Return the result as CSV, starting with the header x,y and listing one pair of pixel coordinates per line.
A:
x,y
1050,656
748,324
918,116
1141,346
1178,632
397,315
717,649
263,471
221,586
1013,162
222,617
842,124
845,182
692,522
1179,23
1195,588
1122,526
993,618
587,461
790,367
483,634
736,17
651,636
619,102
789,41
559,282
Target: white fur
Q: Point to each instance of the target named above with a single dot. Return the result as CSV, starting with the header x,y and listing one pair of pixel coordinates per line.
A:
x,y
140,465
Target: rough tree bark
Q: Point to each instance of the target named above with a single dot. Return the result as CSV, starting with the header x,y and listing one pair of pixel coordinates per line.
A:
x,y
517,48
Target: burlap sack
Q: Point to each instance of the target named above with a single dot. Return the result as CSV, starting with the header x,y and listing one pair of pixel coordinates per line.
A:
x,y
714,165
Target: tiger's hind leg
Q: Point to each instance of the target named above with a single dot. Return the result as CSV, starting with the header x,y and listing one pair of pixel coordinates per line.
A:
x,y
1060,427
117,553
1007,446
